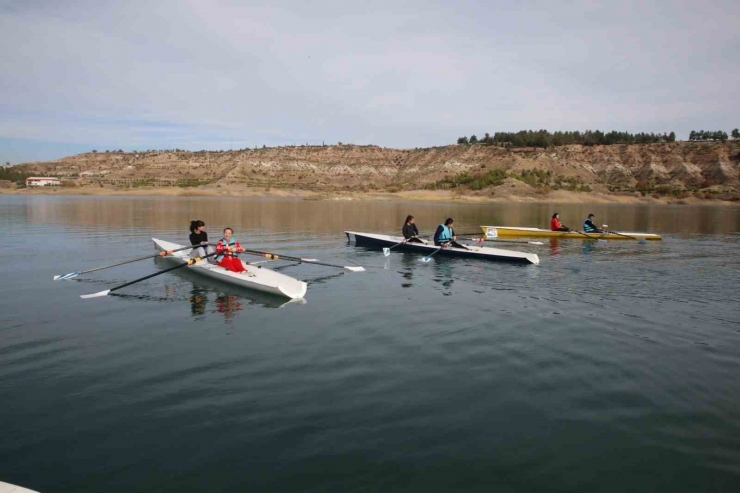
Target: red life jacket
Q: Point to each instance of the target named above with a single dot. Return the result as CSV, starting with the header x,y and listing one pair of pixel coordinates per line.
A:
x,y
555,224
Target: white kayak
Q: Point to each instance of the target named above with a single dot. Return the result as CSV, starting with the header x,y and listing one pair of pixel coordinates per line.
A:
x,y
484,253
255,277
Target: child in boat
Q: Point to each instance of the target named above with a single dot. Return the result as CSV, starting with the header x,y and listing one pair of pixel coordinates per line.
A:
x,y
445,236
556,225
410,231
228,249
198,236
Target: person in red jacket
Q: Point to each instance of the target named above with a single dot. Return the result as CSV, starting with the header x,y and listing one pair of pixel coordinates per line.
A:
x,y
228,252
556,225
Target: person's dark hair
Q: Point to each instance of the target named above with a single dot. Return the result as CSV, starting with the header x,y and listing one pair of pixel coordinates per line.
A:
x,y
408,218
448,221
228,229
196,223
555,215
591,215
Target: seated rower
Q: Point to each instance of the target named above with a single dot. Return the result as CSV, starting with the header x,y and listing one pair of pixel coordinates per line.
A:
x,y
556,225
198,236
228,249
445,236
589,226
410,231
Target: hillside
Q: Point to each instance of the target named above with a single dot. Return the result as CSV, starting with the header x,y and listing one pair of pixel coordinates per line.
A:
x,y
668,168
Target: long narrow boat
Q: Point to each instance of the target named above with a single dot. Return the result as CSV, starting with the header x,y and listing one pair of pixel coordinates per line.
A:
x,y
484,253
492,232
256,278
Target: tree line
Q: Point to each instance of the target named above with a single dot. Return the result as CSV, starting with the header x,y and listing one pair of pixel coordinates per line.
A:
x,y
712,135
543,138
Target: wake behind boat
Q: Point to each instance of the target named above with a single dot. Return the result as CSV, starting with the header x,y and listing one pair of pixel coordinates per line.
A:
x,y
484,253
493,232
257,278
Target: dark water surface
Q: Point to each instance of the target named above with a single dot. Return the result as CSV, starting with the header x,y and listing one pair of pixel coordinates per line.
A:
x,y
609,367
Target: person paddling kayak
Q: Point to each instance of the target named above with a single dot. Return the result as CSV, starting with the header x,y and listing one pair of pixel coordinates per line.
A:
x,y
228,249
410,231
445,236
556,225
589,226
198,236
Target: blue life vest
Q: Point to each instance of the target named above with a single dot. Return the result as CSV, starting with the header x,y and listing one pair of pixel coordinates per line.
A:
x,y
587,227
445,235
231,244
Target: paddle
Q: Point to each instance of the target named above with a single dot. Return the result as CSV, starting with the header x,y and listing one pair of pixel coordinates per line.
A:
x,y
620,234
302,260
429,257
160,254
387,251
481,240
107,291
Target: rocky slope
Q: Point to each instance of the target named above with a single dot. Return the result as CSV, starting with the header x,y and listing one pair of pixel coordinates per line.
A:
x,y
680,165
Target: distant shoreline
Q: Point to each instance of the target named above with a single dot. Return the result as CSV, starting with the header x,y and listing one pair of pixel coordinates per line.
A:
x,y
554,197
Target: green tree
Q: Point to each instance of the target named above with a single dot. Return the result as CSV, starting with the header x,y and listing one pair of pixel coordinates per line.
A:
x,y
473,139
736,134
672,137
462,140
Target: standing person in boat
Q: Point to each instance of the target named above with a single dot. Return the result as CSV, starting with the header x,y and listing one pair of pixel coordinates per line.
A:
x,y
410,231
589,226
198,236
228,249
445,236
556,225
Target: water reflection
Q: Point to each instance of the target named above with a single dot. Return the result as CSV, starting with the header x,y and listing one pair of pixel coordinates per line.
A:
x,y
228,305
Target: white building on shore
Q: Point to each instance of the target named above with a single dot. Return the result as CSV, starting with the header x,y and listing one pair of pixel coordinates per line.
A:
x,y
36,181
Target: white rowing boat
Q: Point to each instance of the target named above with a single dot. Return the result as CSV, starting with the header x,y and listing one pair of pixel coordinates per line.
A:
x,y
256,277
484,253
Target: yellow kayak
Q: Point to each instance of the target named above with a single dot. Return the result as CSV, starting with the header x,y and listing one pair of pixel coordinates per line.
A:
x,y
493,232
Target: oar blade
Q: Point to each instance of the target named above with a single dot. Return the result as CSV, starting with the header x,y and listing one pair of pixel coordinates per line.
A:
x,y
536,243
387,251
354,269
425,259
95,295
67,276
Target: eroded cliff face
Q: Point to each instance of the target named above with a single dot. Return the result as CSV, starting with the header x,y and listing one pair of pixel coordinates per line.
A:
x,y
347,167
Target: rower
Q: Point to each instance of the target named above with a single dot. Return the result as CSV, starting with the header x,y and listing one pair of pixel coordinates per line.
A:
x,y
228,249
445,236
198,236
410,231
556,225
589,226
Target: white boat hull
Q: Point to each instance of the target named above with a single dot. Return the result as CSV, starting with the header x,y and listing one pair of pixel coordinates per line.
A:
x,y
256,278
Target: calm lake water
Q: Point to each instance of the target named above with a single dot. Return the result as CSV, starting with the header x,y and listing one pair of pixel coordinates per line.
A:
x,y
608,367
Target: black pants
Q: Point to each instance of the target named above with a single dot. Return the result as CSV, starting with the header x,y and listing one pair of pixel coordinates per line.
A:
x,y
453,243
414,240
562,228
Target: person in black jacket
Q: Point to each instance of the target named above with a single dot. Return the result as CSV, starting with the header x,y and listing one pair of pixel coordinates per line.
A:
x,y
410,231
198,236
589,226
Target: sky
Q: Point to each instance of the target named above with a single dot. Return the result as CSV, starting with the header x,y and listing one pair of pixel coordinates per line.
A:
x,y
80,75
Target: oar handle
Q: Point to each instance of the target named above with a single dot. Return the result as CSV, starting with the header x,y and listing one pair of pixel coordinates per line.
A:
x,y
274,256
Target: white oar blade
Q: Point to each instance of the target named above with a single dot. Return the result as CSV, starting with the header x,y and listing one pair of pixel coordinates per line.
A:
x,y
310,259
67,276
95,295
425,259
386,251
354,269
536,243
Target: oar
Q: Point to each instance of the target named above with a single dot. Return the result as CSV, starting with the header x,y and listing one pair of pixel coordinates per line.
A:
x,y
107,291
587,236
387,251
301,260
429,257
160,254
481,240
620,234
